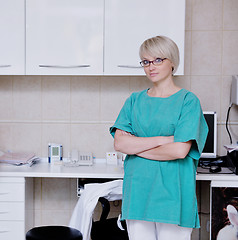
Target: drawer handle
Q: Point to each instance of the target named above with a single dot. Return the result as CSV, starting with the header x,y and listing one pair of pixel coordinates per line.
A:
x,y
3,193
4,231
61,66
128,66
4,212
5,66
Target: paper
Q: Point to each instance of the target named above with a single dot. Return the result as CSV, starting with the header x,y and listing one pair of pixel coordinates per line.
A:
x,y
231,147
17,158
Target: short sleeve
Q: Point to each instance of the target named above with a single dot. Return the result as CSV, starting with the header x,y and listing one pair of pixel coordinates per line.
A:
x,y
192,126
123,120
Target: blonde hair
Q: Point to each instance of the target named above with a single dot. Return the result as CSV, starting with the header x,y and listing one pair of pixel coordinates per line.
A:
x,y
162,47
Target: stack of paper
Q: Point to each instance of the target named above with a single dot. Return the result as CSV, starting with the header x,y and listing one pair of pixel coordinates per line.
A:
x,y
17,158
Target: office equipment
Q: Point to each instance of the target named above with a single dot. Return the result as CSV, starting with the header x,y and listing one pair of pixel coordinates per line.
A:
x,y
111,158
85,158
234,90
55,152
210,149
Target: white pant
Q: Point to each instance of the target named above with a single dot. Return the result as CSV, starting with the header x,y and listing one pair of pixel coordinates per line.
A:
x,y
141,230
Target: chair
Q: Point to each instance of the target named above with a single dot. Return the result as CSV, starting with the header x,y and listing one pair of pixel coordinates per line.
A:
x,y
106,228
53,233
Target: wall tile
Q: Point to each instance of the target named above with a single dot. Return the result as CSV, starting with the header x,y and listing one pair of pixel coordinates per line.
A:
x,y
230,15
206,53
106,140
188,14
114,91
26,98
85,99
187,53
55,217
38,218
55,200
183,82
37,193
207,15
6,97
230,53
27,137
139,83
207,89
73,194
85,138
55,98
6,137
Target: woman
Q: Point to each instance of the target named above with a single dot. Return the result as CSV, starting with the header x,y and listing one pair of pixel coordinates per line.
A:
x,y
163,131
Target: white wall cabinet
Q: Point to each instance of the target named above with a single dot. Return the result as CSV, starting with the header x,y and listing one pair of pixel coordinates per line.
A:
x,y
12,41
93,37
129,23
64,37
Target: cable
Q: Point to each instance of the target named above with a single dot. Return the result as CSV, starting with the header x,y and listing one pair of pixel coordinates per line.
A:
x,y
227,117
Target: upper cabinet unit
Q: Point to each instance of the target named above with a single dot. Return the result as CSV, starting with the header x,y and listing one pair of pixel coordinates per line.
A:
x,y
129,23
12,41
64,37
76,37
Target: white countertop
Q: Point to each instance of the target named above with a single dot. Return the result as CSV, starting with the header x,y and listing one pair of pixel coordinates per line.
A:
x,y
42,169
97,170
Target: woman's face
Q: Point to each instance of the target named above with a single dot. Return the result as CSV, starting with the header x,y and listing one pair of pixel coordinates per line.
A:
x,y
157,73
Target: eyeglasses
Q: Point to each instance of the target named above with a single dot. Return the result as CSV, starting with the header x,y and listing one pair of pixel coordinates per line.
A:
x,y
156,62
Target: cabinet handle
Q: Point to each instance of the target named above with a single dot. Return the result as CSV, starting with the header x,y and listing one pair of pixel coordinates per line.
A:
x,y
128,66
4,66
61,66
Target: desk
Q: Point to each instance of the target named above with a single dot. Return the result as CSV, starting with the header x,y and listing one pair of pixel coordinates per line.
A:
x,y
16,190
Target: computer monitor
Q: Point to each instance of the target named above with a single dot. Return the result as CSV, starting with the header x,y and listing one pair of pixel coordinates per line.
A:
x,y
210,149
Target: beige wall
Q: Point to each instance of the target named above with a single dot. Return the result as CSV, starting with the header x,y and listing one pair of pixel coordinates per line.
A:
x,y
77,111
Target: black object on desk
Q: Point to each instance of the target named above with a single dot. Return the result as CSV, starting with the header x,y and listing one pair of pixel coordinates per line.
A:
x,y
232,161
214,165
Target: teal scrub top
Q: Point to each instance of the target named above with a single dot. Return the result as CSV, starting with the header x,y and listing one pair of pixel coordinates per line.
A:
x,y
162,191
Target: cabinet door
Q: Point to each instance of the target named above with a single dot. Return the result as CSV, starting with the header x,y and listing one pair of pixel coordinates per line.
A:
x,y
129,23
12,40
64,37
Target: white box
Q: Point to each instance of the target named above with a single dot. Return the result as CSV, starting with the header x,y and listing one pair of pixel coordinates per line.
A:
x,y
111,158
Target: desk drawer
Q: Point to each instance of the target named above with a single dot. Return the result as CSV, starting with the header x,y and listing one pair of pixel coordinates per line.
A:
x,y
12,192
12,230
12,211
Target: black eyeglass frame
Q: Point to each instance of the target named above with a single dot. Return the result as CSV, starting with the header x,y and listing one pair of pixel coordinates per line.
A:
x,y
153,62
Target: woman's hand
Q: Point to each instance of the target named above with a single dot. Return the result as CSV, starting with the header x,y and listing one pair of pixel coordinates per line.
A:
x,y
166,152
127,143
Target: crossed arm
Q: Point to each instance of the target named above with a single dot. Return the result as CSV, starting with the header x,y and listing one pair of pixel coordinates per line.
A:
x,y
154,148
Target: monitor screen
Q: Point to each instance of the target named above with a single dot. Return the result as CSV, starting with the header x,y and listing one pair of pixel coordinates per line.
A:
x,y
210,149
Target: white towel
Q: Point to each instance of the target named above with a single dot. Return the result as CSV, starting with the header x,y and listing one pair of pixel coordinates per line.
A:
x,y
81,218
